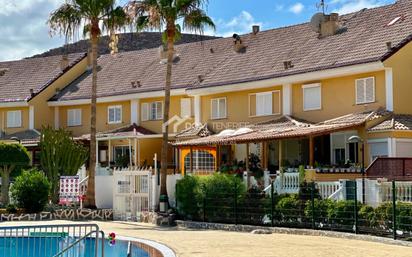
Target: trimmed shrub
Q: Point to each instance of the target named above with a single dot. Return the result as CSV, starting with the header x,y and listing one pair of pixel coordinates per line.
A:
x,y
290,209
218,193
343,212
31,191
321,210
188,194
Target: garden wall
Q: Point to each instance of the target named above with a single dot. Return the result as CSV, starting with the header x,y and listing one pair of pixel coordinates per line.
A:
x,y
66,214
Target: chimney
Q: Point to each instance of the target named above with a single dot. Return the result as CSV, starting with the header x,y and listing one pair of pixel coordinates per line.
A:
x,y
64,63
288,65
389,45
330,25
255,29
238,45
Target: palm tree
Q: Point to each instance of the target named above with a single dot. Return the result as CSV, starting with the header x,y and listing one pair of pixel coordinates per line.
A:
x,y
167,15
94,16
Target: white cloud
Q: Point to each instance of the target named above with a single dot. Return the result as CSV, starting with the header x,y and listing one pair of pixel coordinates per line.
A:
x,y
240,24
23,28
348,6
297,8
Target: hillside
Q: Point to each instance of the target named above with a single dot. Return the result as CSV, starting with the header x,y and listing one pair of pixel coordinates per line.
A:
x,y
127,42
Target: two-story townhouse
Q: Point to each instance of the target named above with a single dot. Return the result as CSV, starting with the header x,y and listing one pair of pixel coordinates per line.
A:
x,y
302,94
25,87
349,80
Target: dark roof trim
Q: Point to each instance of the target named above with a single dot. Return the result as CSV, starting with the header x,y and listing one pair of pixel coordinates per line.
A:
x,y
395,49
50,82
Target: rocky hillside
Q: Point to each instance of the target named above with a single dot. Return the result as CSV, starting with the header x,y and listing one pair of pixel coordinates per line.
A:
x,y
127,42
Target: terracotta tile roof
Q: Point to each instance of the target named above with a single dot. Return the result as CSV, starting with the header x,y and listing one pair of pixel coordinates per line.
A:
x,y
196,131
357,118
396,122
363,39
18,77
129,131
256,131
288,127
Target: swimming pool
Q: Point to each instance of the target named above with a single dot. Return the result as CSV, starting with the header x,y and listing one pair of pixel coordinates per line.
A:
x,y
49,246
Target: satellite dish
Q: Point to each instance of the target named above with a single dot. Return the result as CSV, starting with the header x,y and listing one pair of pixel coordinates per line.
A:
x,y
316,20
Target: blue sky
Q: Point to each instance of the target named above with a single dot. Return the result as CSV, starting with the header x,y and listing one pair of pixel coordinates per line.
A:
x,y
25,33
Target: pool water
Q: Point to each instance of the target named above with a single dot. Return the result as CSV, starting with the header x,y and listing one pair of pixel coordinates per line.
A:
x,y
49,246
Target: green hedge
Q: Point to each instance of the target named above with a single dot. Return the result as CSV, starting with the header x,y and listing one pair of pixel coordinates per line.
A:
x,y
216,193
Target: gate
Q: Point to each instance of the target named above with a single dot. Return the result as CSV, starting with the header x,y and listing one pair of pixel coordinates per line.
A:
x,y
132,193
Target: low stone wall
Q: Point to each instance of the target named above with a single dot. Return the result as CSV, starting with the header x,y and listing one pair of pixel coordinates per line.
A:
x,y
63,214
293,231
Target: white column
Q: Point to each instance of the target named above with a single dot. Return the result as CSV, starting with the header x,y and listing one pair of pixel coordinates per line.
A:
x,y
31,117
56,117
198,109
287,99
134,111
389,88
392,147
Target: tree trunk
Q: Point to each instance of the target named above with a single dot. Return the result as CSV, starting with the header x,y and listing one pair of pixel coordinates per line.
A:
x,y
90,195
5,177
165,142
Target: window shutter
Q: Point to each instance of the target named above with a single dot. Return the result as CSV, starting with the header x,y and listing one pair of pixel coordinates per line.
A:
x,y
312,97
252,105
276,102
159,110
145,111
369,90
185,107
14,119
118,114
222,108
360,91
214,110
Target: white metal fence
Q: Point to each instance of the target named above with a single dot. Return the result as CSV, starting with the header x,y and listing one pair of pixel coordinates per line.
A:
x,y
132,192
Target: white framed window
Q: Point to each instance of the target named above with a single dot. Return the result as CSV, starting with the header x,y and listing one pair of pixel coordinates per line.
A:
x,y
312,97
114,114
185,107
365,90
264,104
14,119
74,117
218,108
152,111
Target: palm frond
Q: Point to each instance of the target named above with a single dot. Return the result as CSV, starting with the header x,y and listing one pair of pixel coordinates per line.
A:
x,y
65,21
197,21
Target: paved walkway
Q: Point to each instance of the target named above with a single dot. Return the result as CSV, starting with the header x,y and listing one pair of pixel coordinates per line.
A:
x,y
200,243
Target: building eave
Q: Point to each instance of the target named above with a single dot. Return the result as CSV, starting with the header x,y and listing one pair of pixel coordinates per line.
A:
x,y
291,79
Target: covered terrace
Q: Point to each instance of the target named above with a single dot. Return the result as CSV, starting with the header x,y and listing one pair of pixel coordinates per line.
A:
x,y
282,144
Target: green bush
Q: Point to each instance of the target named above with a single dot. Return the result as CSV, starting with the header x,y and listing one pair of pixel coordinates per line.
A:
x,y
31,191
188,194
289,209
215,192
11,208
321,210
343,212
218,193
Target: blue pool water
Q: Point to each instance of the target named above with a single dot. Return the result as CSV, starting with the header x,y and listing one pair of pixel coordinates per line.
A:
x,y
49,246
